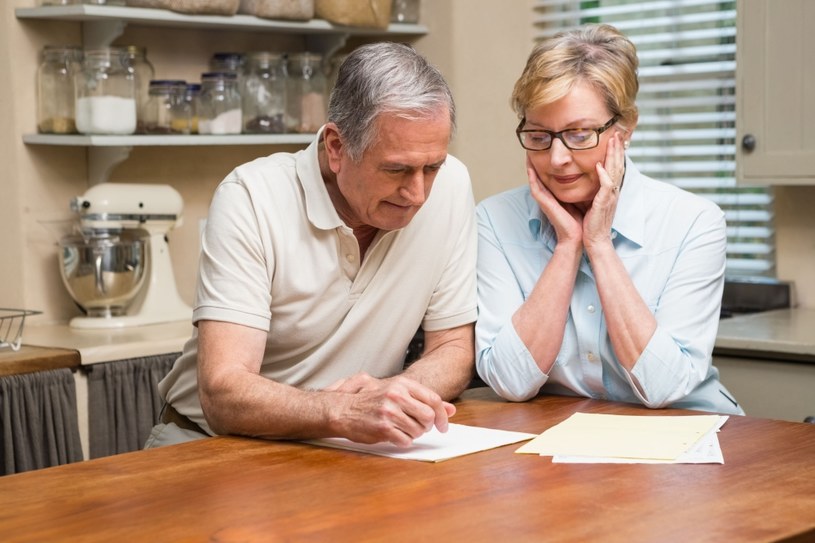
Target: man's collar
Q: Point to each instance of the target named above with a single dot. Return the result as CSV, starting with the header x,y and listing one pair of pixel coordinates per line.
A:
x,y
319,208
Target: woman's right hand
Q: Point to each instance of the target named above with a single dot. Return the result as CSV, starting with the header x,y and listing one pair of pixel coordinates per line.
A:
x,y
566,219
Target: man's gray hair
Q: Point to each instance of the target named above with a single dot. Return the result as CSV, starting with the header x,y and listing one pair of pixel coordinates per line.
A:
x,y
379,78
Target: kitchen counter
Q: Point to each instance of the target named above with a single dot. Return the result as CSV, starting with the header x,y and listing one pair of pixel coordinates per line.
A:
x,y
95,346
787,334
30,359
51,346
781,334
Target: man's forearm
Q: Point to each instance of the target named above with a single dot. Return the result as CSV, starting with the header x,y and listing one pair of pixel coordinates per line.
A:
x,y
448,363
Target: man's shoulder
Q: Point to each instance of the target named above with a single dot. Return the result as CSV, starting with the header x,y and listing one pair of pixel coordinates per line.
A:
x,y
273,165
455,172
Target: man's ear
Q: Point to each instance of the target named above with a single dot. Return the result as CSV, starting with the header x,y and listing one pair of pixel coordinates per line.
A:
x,y
333,146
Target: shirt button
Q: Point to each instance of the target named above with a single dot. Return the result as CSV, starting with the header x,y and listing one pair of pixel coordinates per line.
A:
x,y
592,357
590,309
349,257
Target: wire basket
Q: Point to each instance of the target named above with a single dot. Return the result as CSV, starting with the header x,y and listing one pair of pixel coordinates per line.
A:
x,y
11,326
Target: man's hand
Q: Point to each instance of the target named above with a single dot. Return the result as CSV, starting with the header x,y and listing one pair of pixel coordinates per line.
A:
x,y
396,410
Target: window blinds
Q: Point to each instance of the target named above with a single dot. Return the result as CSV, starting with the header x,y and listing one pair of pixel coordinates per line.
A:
x,y
686,131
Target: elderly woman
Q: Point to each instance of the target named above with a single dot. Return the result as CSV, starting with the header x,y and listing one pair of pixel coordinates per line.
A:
x,y
595,280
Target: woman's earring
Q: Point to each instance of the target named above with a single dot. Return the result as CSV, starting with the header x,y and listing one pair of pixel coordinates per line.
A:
x,y
626,143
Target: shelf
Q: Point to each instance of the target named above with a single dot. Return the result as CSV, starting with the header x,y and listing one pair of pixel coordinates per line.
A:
x,y
105,23
140,140
107,152
101,25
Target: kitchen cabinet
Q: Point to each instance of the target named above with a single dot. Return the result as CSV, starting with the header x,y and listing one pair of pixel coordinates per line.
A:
x,y
775,91
767,360
770,388
123,402
39,415
101,24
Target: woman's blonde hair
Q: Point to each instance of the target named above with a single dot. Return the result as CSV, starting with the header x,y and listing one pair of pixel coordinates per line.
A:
x,y
597,54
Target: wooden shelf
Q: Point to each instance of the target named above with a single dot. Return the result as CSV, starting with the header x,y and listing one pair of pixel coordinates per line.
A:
x,y
159,17
144,140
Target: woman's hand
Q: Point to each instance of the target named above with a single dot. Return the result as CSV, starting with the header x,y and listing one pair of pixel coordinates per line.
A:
x,y
599,218
565,218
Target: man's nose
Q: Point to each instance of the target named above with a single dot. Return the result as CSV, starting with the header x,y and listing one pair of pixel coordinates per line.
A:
x,y
413,190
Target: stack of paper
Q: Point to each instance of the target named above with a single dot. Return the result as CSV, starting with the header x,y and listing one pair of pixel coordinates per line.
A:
x,y
590,438
435,446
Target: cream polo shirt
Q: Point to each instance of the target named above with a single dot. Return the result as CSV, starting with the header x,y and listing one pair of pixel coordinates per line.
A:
x,y
276,256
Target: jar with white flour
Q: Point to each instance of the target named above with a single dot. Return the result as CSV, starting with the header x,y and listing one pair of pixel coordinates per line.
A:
x,y
219,105
105,94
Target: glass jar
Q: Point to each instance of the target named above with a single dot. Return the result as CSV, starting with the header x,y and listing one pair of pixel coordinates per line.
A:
x,y
264,94
192,95
306,94
405,11
105,94
219,110
142,72
232,63
55,89
333,69
167,111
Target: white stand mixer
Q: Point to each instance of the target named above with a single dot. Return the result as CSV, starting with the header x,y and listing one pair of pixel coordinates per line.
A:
x,y
155,209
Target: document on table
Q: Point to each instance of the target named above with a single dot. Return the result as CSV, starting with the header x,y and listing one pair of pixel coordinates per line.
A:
x,y
435,446
599,438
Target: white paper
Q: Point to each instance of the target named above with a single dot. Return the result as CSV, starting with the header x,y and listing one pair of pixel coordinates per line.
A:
x,y
705,451
435,446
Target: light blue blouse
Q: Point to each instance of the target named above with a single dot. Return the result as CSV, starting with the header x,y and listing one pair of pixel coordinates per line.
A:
x,y
673,245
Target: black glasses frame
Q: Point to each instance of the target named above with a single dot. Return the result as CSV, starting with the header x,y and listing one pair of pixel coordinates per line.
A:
x,y
559,135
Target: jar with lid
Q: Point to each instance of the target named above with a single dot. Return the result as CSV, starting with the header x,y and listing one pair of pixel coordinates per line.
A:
x,y
105,93
219,110
405,11
142,72
233,63
264,94
167,111
55,89
306,93
192,95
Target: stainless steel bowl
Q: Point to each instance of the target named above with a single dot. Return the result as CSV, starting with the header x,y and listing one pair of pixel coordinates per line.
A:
x,y
104,271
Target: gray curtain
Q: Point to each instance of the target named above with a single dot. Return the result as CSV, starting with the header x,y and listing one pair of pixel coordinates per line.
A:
x,y
39,421
123,402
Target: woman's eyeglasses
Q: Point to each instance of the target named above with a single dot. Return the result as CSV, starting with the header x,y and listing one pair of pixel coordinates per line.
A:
x,y
576,139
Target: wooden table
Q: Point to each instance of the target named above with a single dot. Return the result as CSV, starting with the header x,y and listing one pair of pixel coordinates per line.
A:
x,y
235,489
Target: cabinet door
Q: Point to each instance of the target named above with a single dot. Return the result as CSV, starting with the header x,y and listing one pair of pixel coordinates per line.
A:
x,y
775,66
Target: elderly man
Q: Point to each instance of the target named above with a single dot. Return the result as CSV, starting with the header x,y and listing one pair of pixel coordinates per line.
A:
x,y
318,267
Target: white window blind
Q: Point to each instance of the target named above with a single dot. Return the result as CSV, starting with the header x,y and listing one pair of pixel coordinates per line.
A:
x,y
686,131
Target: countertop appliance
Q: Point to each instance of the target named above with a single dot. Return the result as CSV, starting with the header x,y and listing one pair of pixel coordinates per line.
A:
x,y
117,267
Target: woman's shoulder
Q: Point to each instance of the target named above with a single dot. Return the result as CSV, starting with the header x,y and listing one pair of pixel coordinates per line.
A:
x,y
663,193
515,199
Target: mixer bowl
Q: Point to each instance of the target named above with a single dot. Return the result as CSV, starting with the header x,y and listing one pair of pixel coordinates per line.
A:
x,y
103,272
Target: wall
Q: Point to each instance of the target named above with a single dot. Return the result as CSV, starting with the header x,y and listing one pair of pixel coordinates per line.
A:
x,y
480,45
795,240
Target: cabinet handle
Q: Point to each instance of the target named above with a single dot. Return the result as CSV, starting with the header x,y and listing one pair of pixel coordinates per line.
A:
x,y
748,143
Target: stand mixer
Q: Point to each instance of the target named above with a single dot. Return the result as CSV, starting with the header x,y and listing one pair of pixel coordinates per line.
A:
x,y
118,267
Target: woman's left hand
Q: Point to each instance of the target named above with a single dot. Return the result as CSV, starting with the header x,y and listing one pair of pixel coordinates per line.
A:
x,y
598,219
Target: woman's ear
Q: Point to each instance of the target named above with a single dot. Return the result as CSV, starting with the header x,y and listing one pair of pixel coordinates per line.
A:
x,y
627,129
